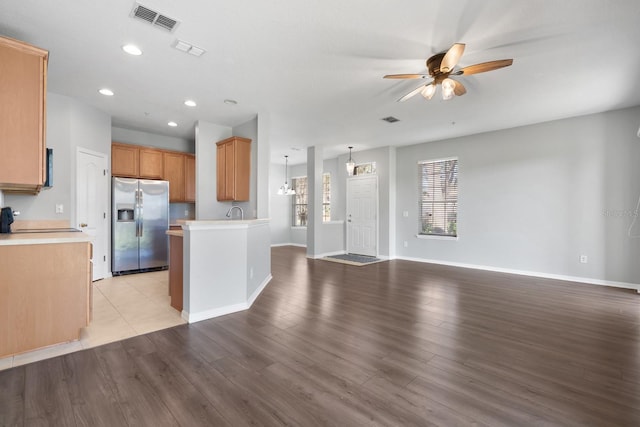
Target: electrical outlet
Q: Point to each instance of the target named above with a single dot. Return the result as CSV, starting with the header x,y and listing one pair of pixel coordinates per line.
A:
x,y
405,214
59,208
583,259
186,212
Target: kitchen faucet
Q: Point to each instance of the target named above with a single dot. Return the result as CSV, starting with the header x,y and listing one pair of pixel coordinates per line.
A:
x,y
235,207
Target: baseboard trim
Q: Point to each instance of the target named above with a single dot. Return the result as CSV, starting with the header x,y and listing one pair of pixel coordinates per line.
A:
x,y
258,291
228,309
215,312
587,280
275,245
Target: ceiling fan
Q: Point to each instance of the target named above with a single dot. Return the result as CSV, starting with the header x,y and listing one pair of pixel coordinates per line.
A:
x,y
441,66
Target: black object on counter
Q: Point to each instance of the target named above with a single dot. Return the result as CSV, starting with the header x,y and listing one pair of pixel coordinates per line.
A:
x,y
6,219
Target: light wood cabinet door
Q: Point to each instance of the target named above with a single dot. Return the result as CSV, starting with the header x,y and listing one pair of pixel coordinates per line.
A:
x,y
233,169
23,71
174,172
125,160
45,305
221,176
190,178
151,163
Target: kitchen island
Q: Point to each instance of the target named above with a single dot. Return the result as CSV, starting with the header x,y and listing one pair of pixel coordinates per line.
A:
x,y
45,288
226,264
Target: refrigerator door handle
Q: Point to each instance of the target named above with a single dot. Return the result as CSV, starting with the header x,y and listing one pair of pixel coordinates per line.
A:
x,y
140,221
137,213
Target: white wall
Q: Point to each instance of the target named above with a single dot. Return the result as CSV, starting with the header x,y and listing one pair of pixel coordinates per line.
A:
x,y
207,134
280,208
70,124
249,130
535,198
332,238
128,136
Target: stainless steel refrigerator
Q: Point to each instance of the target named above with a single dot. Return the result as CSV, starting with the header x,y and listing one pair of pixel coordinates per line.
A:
x,y
140,219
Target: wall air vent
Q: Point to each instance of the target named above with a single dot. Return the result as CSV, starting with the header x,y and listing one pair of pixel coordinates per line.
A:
x,y
390,119
154,18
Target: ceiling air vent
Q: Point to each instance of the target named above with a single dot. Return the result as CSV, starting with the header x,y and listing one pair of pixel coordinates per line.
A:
x,y
390,119
154,18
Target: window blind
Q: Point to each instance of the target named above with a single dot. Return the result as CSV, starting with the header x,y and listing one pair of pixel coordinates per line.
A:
x,y
438,202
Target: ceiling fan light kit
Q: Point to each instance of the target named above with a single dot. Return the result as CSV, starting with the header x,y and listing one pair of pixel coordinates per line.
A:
x,y
443,65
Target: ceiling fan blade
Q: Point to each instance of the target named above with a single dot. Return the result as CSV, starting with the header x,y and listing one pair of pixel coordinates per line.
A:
x,y
485,66
459,88
406,76
412,93
452,57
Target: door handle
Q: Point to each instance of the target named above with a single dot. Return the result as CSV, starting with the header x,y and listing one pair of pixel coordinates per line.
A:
x,y
83,225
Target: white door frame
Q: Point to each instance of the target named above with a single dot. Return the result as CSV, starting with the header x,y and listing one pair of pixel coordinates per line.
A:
x,y
377,209
105,235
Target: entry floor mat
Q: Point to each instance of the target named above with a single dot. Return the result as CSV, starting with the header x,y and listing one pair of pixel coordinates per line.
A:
x,y
353,259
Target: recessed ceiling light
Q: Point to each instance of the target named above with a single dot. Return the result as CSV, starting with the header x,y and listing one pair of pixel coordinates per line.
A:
x,y
172,124
230,101
132,49
106,92
190,103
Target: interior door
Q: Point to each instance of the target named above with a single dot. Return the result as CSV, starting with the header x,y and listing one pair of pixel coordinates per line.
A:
x,y
362,215
92,193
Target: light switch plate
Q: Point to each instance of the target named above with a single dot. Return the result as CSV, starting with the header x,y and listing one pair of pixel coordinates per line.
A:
x,y
59,208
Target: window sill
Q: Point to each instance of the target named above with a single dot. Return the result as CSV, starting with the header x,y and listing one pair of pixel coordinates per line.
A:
x,y
429,237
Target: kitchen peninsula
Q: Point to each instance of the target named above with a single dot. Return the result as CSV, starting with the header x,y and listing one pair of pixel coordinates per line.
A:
x,y
226,264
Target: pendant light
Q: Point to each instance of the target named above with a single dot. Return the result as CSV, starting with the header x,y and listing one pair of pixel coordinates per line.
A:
x,y
285,190
350,164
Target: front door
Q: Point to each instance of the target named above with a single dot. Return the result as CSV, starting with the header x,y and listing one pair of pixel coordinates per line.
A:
x,y
91,204
362,215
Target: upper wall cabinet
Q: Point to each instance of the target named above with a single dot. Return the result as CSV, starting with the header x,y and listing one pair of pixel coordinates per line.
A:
x,y
125,160
151,164
23,88
134,161
174,172
190,178
233,166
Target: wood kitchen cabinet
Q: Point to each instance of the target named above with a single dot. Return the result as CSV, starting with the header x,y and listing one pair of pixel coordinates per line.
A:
x,y
233,169
135,161
151,163
190,178
23,89
125,160
45,305
174,172
176,269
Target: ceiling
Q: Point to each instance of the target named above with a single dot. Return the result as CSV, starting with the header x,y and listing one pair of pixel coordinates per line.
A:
x,y
315,67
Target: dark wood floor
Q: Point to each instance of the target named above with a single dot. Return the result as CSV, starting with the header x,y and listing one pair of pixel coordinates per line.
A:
x,y
394,343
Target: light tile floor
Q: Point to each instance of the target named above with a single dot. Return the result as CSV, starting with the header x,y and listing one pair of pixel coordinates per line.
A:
x,y
123,307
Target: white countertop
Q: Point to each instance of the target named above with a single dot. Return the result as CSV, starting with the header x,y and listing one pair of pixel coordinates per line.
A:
x,y
43,238
221,223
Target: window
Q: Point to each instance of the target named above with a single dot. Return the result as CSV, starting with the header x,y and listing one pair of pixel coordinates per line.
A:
x,y
326,197
438,201
365,169
300,200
